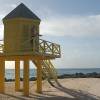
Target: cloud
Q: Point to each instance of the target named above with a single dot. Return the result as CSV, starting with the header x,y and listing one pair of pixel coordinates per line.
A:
x,y
13,5
1,32
72,26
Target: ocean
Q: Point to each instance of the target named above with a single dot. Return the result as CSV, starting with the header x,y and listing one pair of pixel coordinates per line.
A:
x,y
10,73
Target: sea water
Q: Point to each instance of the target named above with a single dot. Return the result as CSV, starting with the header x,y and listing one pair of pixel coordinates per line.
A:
x,y
10,73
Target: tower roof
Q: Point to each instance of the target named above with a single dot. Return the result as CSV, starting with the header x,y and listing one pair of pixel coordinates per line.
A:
x,y
21,11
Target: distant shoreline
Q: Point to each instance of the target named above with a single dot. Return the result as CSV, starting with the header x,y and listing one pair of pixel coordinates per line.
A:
x,y
76,75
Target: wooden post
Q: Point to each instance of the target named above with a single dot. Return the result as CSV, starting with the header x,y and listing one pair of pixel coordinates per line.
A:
x,y
2,75
17,75
26,77
39,77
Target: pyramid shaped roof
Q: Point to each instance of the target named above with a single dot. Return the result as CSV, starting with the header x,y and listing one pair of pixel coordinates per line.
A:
x,y
21,11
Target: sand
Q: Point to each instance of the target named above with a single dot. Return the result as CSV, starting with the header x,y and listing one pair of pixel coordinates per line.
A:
x,y
70,89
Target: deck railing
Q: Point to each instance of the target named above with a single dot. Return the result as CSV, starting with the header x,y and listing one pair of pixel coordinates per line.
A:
x,y
46,47
1,47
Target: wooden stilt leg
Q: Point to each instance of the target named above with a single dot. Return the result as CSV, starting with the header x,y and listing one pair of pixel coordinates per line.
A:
x,y
17,75
39,77
2,76
26,78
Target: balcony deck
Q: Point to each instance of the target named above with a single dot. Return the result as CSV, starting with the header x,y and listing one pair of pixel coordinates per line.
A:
x,y
46,50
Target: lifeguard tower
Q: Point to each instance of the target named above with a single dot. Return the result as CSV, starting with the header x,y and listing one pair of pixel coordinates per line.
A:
x,y
22,43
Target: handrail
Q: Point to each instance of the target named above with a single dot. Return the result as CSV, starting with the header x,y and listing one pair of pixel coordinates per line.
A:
x,y
48,41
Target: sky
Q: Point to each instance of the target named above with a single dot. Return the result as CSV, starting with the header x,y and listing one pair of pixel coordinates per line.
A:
x,y
74,24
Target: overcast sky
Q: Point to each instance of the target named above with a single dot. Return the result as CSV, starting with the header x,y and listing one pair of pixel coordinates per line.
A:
x,y
74,24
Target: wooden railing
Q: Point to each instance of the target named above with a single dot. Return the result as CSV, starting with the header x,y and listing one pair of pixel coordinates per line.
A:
x,y
46,47
1,46
43,47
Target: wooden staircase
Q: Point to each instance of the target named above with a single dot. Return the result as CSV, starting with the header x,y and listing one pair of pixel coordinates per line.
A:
x,y
48,71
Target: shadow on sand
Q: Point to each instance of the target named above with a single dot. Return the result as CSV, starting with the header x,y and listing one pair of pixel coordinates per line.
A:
x,y
77,95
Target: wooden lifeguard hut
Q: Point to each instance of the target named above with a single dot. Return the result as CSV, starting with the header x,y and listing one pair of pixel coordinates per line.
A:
x,y
22,43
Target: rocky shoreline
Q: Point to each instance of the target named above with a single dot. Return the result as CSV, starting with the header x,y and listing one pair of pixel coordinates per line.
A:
x,y
76,75
80,75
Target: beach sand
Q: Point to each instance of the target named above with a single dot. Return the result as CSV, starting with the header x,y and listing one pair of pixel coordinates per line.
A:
x,y
70,89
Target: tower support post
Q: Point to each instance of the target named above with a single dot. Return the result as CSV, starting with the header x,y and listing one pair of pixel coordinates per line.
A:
x,y
26,78
17,75
2,75
39,76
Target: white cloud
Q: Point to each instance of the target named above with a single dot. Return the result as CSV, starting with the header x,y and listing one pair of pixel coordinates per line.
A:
x,y
13,5
1,32
72,26
10,64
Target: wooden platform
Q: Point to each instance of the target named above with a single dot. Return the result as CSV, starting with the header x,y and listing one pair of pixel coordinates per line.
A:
x,y
10,57
45,50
